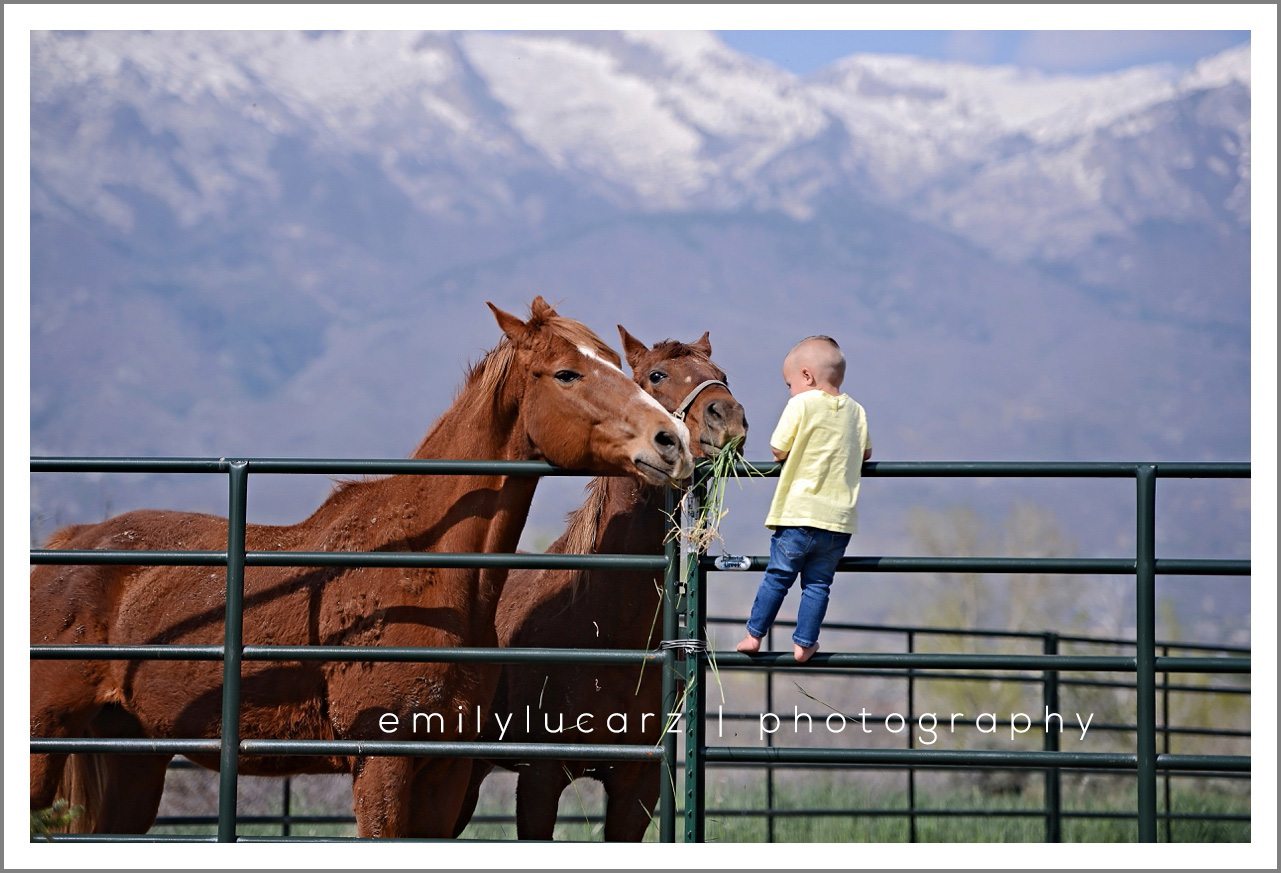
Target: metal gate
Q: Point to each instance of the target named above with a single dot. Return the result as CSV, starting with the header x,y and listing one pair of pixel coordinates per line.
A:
x,y
684,655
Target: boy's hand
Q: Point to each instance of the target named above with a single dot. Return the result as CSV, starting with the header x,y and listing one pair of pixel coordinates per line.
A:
x,y
778,456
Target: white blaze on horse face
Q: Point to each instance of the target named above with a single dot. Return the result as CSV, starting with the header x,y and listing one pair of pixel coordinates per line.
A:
x,y
591,353
676,422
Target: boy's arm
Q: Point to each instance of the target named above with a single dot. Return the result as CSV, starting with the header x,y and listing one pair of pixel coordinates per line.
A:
x,y
780,441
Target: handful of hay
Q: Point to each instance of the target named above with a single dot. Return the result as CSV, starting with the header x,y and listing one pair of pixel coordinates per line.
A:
x,y
711,484
54,819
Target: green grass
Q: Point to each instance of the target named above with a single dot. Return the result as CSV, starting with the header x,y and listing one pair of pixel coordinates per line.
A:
x,y
704,532
804,791
988,825
583,801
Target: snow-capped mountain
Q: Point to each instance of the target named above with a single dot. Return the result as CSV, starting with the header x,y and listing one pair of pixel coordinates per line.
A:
x,y
654,122
241,240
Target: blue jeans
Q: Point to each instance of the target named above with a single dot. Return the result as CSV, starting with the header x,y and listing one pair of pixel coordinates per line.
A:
x,y
812,553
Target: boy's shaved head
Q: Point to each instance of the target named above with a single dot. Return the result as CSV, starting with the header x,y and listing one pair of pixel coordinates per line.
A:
x,y
822,356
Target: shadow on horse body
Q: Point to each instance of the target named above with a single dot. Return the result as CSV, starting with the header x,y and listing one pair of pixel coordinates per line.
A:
x,y
601,609
551,389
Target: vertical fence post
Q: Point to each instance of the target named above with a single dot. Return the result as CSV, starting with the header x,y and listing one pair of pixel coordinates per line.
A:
x,y
911,741
1145,648
769,742
695,696
232,648
286,806
1165,747
1053,778
667,785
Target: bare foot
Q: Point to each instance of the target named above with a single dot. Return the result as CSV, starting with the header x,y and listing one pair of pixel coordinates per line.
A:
x,y
749,645
803,653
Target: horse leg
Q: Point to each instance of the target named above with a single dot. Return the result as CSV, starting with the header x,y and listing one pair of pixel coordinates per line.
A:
x,y
380,790
117,794
62,705
479,770
538,790
440,789
631,791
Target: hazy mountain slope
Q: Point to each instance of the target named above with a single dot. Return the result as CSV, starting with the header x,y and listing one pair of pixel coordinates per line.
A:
x,y
280,244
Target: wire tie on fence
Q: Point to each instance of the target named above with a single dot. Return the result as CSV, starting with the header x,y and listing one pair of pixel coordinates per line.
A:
x,y
685,647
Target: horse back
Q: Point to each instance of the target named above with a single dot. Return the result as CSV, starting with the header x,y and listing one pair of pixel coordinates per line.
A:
x,y
76,603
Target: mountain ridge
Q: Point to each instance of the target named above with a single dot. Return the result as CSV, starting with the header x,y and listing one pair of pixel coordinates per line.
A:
x,y
280,244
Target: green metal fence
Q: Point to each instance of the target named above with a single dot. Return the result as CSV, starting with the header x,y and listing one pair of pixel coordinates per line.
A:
x,y
1052,810
1146,760
1051,684
684,656
234,652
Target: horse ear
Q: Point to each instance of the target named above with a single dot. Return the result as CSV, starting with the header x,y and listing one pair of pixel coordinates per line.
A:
x,y
511,325
703,344
632,347
541,310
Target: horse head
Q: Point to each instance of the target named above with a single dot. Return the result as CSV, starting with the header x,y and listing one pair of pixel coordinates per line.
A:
x,y
685,380
578,408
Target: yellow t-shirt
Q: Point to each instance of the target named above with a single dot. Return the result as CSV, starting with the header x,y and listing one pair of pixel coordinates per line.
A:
x,y
825,437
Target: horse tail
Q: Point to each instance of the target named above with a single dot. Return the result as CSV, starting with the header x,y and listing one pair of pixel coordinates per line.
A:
x,y
84,786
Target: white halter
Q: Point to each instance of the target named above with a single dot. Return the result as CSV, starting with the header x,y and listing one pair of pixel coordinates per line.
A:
x,y
683,408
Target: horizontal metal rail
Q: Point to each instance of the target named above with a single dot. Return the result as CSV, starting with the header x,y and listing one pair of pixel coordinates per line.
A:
x,y
130,838
951,757
873,469
875,717
729,660
445,560
1018,469
1094,663
1083,566
926,812
393,748
1101,772
240,838
353,466
995,633
370,654
539,561
719,812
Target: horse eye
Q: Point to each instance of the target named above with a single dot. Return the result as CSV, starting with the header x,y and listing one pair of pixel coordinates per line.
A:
x,y
657,376
567,376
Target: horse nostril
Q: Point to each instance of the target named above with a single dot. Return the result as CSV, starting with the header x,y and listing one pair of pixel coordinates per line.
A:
x,y
714,410
665,439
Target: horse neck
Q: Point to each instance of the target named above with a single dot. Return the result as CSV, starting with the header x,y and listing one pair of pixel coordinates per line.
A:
x,y
473,513
479,428
631,522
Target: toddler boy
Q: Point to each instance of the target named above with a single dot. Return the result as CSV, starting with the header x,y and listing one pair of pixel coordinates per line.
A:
x,y
822,439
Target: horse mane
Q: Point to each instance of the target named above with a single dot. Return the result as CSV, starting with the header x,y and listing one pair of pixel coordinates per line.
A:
x,y
582,532
488,376
584,522
670,349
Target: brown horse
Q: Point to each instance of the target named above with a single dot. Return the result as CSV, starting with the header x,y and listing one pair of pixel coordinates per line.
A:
x,y
551,389
597,609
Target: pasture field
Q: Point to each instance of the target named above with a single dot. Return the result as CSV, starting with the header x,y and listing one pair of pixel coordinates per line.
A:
x,y
795,793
